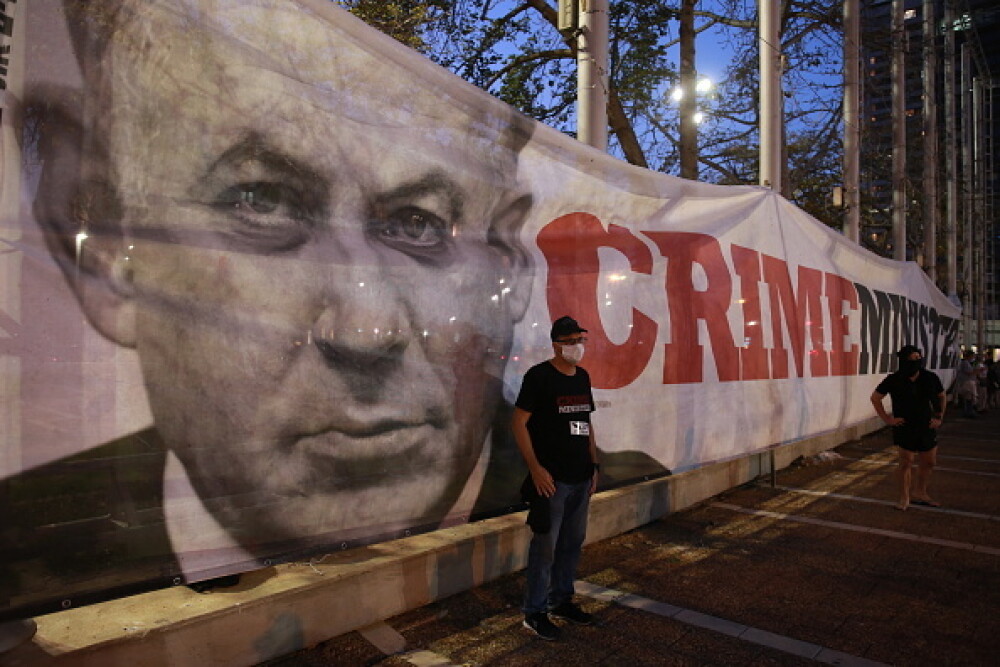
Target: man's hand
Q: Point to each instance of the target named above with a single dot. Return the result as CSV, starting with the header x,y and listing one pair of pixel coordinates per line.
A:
x,y
593,482
544,484
895,421
936,422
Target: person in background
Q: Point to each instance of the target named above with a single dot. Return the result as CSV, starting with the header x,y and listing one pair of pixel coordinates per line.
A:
x,y
982,383
992,382
918,406
965,384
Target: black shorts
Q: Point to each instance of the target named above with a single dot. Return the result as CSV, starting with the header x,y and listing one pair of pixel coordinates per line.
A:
x,y
922,439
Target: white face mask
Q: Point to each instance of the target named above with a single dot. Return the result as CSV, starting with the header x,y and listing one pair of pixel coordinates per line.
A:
x,y
572,353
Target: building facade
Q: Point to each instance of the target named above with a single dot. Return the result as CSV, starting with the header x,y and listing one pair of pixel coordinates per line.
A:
x,y
950,101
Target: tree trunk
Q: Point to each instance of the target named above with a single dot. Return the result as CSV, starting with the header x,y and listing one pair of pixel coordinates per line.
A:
x,y
619,123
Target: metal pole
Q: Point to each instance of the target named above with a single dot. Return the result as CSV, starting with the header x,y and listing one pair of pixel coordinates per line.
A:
x,y
770,94
592,74
966,194
898,133
852,114
930,165
688,107
977,223
951,154
990,227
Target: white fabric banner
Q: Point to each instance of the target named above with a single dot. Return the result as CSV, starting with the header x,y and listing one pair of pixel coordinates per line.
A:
x,y
271,280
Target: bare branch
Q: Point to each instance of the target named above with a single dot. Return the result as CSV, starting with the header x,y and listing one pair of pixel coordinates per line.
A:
x,y
525,59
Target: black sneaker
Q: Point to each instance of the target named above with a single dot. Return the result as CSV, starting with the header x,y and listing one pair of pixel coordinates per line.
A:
x,y
568,611
541,626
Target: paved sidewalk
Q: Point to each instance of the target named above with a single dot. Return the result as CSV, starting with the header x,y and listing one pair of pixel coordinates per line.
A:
x,y
820,569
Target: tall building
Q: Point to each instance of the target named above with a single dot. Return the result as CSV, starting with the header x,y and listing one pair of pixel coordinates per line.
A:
x,y
961,90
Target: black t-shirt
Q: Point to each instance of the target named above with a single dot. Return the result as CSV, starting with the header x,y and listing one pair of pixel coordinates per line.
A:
x,y
915,401
559,426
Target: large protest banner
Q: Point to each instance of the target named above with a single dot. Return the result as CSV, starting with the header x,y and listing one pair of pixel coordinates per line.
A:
x,y
270,280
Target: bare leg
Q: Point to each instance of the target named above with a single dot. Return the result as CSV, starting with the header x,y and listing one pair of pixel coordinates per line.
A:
x,y
903,476
925,464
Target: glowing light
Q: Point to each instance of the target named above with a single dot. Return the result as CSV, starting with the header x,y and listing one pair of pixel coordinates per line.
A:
x,y
677,94
698,117
704,85
81,236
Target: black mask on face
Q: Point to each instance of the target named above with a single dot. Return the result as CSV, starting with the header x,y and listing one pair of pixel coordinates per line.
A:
x,y
910,367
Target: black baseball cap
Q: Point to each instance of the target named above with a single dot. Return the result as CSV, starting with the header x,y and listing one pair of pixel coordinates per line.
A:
x,y
565,326
905,352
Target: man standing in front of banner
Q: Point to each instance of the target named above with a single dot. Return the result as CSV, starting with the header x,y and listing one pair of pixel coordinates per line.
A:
x,y
918,405
551,425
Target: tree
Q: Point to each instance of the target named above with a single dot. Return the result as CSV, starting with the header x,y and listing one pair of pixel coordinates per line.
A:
x,y
406,21
512,49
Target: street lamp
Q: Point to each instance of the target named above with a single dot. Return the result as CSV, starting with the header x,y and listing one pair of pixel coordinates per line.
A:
x,y
704,85
690,118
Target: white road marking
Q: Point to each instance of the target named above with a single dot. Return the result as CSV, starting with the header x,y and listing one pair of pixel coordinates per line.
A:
x,y
733,629
940,456
882,463
978,548
888,503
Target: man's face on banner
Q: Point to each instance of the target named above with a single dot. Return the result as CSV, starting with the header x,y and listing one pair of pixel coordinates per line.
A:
x,y
318,269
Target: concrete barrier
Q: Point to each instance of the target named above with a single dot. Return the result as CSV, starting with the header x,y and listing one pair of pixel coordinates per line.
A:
x,y
277,610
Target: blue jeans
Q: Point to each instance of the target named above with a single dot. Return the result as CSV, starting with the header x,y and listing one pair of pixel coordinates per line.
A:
x,y
553,556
